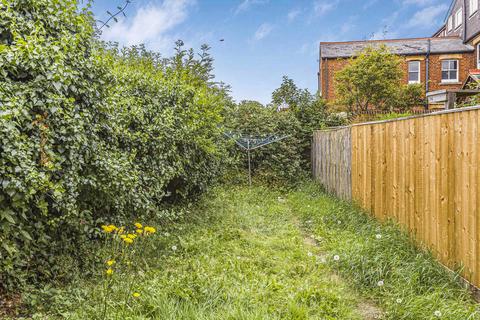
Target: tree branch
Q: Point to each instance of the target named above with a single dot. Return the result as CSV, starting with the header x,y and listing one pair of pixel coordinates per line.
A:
x,y
121,10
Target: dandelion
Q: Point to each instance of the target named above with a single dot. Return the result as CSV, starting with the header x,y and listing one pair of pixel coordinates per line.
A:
x,y
121,230
131,236
336,257
123,237
399,300
310,254
128,240
139,231
380,283
149,230
110,263
109,271
339,222
138,225
437,314
378,236
136,294
174,248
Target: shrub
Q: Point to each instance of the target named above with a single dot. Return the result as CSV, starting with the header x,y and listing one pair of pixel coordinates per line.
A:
x,y
373,80
293,112
90,134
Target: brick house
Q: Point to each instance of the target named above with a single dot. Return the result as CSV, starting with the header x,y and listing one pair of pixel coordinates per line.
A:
x,y
442,62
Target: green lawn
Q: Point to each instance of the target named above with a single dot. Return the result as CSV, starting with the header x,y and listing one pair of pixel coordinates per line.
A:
x,y
262,254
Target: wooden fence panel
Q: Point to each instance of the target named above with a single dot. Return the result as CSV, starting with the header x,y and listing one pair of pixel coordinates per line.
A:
x,y
332,161
421,171
424,173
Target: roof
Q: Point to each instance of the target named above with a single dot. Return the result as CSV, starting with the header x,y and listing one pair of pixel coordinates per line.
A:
x,y
414,46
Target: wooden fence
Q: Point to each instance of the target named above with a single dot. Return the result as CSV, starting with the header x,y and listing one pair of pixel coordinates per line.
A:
x,y
422,171
332,167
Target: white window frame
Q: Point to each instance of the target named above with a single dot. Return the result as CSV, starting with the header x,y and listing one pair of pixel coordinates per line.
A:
x,y
473,5
478,56
418,72
450,24
449,70
459,18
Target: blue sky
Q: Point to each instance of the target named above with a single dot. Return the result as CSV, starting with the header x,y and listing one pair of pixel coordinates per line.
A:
x,y
266,39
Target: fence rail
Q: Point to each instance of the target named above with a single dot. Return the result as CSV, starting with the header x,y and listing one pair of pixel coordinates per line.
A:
x,y
422,171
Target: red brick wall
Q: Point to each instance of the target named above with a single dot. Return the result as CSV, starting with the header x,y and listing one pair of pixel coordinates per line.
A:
x,y
329,68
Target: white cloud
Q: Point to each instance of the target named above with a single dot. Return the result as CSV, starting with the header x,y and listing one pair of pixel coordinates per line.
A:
x,y
263,31
427,17
150,24
292,15
321,7
247,4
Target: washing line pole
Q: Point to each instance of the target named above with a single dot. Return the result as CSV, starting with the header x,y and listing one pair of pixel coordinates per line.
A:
x,y
249,165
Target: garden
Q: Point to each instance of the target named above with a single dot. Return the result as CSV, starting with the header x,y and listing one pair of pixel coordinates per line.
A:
x,y
122,197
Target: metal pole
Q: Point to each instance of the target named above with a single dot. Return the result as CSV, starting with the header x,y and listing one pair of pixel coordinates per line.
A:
x,y
249,165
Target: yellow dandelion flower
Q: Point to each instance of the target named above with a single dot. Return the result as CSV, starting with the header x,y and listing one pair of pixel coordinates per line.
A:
x,y
138,225
139,231
149,230
121,230
131,236
109,272
136,294
123,236
107,229
110,263
128,240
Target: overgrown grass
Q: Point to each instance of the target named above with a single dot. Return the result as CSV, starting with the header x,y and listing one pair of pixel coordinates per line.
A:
x,y
243,255
381,262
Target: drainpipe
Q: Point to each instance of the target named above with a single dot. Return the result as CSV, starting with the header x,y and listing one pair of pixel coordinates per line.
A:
x,y
465,17
320,70
427,69
427,66
326,79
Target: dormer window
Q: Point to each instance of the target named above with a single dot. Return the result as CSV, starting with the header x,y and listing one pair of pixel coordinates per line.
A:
x,y
450,23
458,18
473,6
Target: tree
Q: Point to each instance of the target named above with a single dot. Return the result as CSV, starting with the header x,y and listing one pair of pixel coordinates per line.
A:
x,y
370,79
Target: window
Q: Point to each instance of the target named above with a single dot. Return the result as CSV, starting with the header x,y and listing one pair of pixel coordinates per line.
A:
x,y
450,23
473,7
414,72
478,56
458,18
450,71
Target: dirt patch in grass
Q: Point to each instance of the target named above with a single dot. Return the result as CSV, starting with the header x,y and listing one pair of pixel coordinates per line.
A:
x,y
9,305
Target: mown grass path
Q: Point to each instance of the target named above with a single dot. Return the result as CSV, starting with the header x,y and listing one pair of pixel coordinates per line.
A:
x,y
263,254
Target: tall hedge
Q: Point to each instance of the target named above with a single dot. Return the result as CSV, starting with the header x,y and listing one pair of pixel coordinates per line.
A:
x,y
90,135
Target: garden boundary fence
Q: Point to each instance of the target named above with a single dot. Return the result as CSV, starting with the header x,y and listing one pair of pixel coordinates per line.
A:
x,y
421,171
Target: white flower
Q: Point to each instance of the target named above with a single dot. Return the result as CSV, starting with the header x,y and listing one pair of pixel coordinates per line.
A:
x,y
174,248
378,236
336,257
339,222
380,283
238,258
399,300
310,254
437,314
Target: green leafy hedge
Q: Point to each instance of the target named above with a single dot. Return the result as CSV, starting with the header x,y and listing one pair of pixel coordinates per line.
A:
x,y
91,135
295,113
